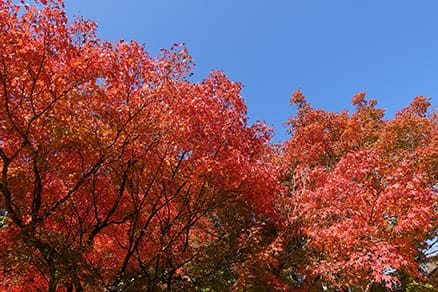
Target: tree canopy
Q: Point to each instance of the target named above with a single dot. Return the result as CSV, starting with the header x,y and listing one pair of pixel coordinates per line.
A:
x,y
118,173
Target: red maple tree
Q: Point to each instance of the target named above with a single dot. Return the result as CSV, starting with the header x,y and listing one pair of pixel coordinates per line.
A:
x,y
112,163
361,189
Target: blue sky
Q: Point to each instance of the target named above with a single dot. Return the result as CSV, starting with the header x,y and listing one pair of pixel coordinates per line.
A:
x,y
328,49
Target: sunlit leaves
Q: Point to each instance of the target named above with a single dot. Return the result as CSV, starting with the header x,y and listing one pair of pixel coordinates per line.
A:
x,y
362,188
113,164
117,173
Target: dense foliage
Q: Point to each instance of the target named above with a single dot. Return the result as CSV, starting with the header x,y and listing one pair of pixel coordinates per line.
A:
x,y
119,174
362,190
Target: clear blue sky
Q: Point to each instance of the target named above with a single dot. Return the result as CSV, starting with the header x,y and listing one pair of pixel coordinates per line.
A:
x,y
328,49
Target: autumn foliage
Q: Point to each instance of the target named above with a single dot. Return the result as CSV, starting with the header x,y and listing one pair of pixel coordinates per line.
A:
x,y
119,174
362,190
113,164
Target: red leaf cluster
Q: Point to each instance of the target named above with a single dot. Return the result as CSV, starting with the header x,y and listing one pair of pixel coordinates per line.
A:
x,y
363,190
112,163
